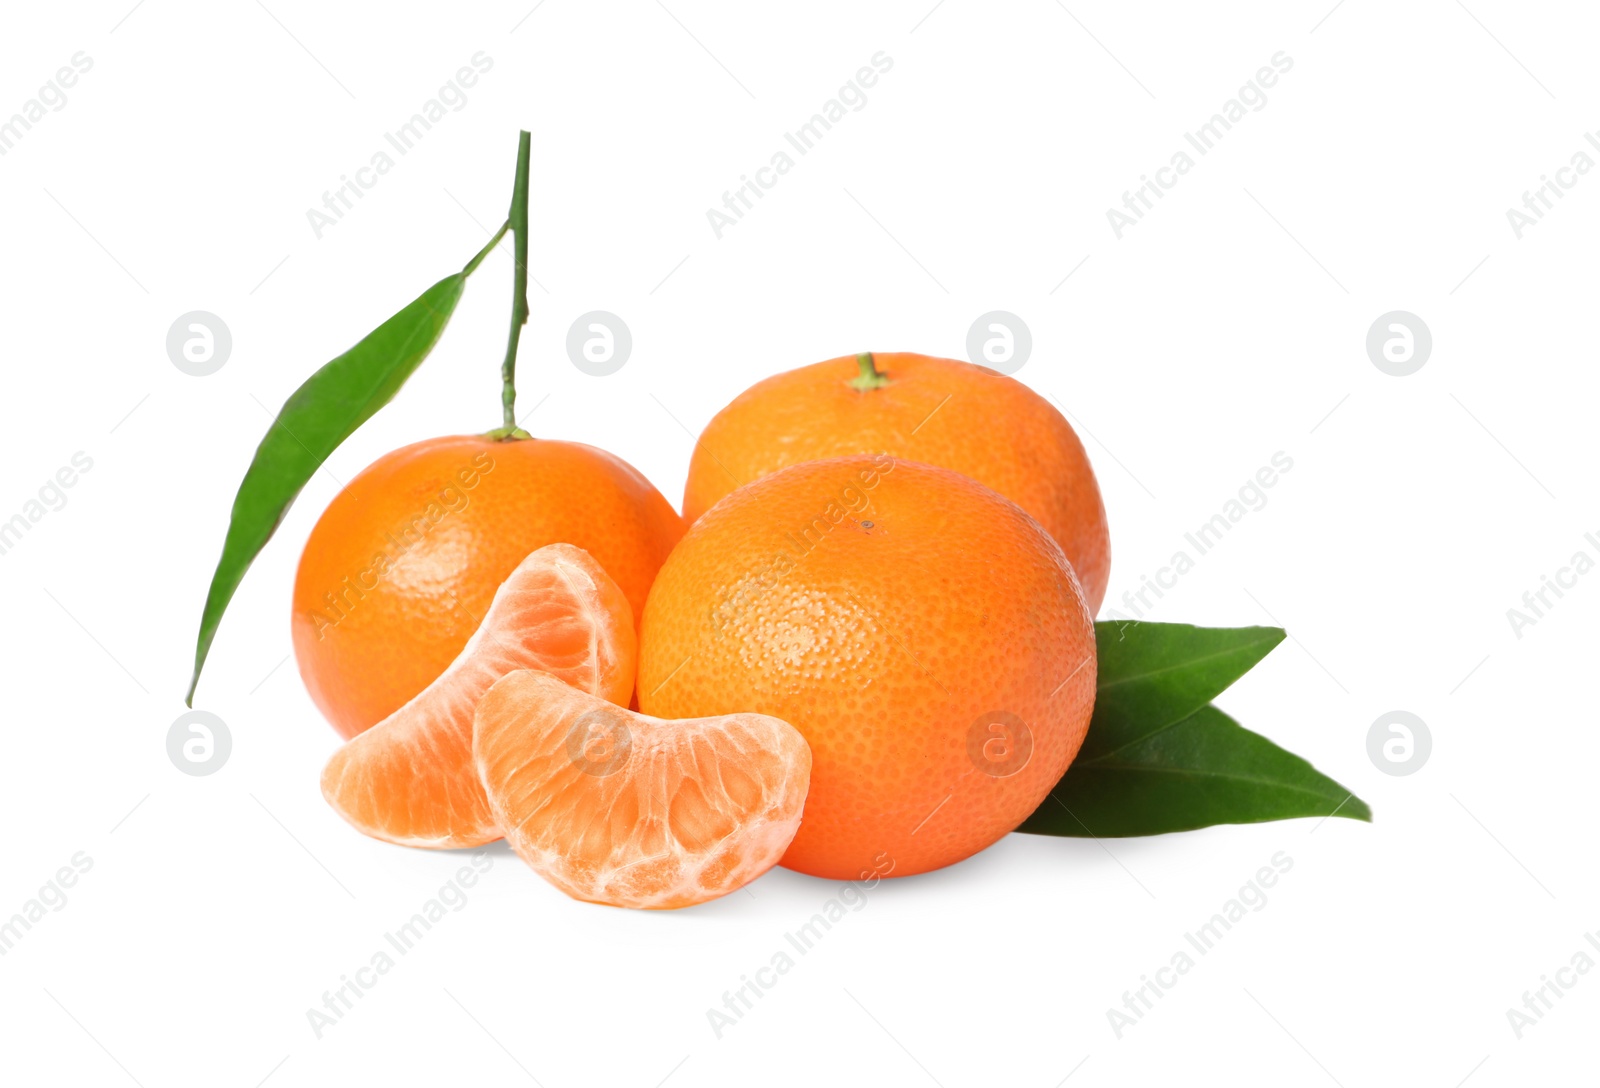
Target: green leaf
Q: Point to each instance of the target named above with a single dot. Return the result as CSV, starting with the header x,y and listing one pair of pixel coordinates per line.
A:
x,y
1205,769
1159,758
1154,674
315,419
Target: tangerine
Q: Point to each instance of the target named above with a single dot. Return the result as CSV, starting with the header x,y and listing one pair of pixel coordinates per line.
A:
x,y
402,566
920,408
923,633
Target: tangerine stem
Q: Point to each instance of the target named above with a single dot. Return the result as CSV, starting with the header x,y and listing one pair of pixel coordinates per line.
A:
x,y
870,377
472,265
519,296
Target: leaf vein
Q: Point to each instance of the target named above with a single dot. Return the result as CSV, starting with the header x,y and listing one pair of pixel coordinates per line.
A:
x,y
1192,661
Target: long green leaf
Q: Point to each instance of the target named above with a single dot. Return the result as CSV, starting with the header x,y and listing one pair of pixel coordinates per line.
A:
x,y
1154,674
1203,770
315,419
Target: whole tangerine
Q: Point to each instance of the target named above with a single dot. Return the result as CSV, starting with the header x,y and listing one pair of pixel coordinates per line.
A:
x,y
924,634
402,566
968,418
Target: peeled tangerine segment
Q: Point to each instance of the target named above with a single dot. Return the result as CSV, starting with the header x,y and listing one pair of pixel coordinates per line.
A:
x,y
410,779
613,806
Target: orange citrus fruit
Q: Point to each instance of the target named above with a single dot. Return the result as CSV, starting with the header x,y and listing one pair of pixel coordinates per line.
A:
x,y
615,807
924,634
411,779
942,412
402,565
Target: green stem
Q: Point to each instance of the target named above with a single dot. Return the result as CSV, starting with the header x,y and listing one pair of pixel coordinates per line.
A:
x,y
519,297
870,377
472,265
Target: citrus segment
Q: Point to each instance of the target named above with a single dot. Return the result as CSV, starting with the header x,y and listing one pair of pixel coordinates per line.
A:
x,y
615,807
410,779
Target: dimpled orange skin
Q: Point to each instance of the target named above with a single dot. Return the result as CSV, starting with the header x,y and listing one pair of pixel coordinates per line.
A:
x,y
943,412
884,609
405,561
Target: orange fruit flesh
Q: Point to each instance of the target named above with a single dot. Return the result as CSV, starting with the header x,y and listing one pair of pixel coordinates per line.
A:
x,y
615,807
411,779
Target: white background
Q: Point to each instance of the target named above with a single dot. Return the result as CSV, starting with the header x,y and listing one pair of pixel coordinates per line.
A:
x,y
1226,326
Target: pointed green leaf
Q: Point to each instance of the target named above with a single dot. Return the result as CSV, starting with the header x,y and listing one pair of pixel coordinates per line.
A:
x,y
1203,770
1154,674
315,419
